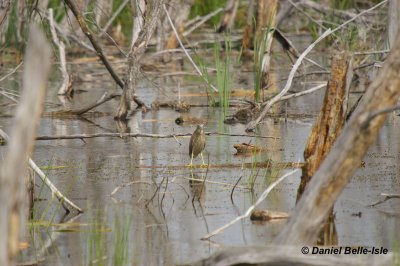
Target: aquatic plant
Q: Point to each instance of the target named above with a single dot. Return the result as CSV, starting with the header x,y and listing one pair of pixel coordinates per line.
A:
x,y
224,79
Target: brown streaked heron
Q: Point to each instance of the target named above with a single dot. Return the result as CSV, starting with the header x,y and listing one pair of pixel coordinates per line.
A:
x,y
197,144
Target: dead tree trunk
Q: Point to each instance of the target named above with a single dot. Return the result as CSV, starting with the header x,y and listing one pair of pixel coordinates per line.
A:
x,y
5,7
13,168
325,131
393,21
179,11
266,13
331,119
345,156
229,16
138,47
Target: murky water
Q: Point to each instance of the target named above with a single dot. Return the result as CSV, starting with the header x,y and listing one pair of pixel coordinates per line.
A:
x,y
163,213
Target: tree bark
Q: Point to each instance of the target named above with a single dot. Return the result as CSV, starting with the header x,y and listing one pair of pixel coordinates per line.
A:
x,y
331,119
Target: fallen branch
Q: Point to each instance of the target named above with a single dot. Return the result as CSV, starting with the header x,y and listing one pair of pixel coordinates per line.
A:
x,y
249,210
65,202
11,72
140,135
301,93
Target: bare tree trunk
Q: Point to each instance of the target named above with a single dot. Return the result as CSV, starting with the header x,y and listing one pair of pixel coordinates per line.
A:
x,y
138,47
393,21
13,168
5,7
331,119
229,16
248,29
266,13
179,11
345,157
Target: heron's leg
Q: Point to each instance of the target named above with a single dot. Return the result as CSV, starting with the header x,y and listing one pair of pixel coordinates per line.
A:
x,y
191,162
202,159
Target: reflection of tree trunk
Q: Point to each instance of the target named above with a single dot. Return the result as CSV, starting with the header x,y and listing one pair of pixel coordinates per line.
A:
x,y
331,119
345,156
228,18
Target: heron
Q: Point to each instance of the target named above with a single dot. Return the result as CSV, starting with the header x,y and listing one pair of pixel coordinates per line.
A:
x,y
197,144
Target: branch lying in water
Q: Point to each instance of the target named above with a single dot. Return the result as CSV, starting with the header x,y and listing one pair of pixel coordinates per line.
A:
x,y
143,135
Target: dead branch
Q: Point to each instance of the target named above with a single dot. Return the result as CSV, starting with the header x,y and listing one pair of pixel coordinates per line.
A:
x,y
198,21
110,21
12,170
65,202
301,93
250,210
345,156
386,197
66,87
82,23
267,105
80,111
142,135
11,72
186,52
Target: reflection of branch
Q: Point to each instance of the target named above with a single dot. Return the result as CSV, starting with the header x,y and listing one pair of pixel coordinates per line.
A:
x,y
386,197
